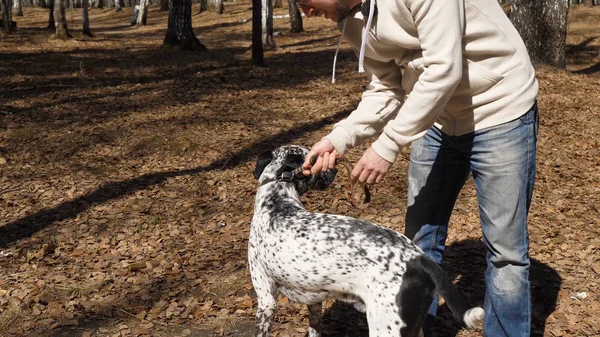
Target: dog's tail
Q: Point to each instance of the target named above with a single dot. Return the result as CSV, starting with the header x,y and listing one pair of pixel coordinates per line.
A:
x,y
470,317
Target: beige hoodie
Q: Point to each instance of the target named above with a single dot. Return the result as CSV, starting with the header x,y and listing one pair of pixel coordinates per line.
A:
x,y
461,62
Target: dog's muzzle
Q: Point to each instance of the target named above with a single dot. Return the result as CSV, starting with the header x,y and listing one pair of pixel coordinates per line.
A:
x,y
292,172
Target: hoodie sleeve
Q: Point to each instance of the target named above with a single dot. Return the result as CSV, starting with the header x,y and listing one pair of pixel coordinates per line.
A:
x,y
380,102
440,26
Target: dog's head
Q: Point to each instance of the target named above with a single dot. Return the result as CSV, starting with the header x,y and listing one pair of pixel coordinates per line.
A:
x,y
281,164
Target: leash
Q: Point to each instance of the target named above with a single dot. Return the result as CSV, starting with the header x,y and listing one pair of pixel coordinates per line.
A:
x,y
349,186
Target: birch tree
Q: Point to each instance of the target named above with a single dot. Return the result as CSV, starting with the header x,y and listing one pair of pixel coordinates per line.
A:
x,y
18,7
179,28
543,26
267,23
295,17
118,6
143,13
219,6
60,20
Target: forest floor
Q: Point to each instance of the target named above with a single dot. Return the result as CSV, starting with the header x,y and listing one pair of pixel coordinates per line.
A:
x,y
126,187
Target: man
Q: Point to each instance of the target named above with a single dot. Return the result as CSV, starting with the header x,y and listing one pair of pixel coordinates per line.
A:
x,y
470,107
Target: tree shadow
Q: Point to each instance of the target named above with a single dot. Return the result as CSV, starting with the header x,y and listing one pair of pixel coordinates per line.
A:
x,y
589,70
464,260
584,45
583,54
106,314
31,224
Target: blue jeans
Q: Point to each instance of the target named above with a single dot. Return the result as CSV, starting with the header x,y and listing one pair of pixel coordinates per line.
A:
x,y
502,162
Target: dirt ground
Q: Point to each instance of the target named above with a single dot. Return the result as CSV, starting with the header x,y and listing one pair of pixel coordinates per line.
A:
x,y
126,187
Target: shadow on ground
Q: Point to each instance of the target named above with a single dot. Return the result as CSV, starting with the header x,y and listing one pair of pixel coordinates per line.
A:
x,y
31,224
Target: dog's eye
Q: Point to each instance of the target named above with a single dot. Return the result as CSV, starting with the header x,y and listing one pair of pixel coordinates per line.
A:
x,y
295,159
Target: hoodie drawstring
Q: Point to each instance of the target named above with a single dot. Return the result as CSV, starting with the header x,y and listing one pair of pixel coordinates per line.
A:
x,y
361,57
337,51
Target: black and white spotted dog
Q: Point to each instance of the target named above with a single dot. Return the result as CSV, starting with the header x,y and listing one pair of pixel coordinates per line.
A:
x,y
311,257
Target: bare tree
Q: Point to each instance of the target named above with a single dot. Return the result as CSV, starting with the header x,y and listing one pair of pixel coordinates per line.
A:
x,y
278,4
143,13
543,26
6,20
18,7
179,29
267,24
51,15
164,5
60,20
295,17
118,6
257,44
86,19
219,6
203,5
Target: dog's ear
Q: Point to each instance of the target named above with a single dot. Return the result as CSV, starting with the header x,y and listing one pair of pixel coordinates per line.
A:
x,y
263,160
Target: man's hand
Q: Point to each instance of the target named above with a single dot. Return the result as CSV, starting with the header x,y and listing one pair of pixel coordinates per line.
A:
x,y
326,160
371,168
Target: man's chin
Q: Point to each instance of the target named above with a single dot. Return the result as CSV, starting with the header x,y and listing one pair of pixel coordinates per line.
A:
x,y
338,17
341,13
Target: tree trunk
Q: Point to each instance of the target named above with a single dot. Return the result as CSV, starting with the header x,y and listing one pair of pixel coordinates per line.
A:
x,y
86,19
278,4
51,14
267,24
257,45
6,24
143,13
62,31
219,6
203,5
179,31
19,7
135,13
543,27
588,3
118,6
295,17
164,5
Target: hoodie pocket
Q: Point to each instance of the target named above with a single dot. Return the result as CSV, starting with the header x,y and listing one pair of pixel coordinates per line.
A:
x,y
476,79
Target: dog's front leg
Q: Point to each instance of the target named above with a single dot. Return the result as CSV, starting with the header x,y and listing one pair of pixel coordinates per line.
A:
x,y
315,315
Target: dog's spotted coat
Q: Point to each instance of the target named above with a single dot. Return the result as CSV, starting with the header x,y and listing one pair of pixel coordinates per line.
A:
x,y
311,257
